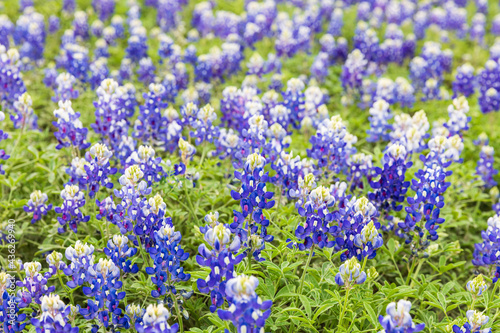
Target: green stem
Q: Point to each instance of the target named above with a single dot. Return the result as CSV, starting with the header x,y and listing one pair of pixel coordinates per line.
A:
x,y
420,262
249,260
410,271
364,264
139,245
179,317
492,297
17,142
301,286
305,270
70,294
344,307
191,208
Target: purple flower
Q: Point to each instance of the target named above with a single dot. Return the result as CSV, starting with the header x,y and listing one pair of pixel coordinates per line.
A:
x,y
37,205
73,200
485,167
247,311
70,130
221,256
398,319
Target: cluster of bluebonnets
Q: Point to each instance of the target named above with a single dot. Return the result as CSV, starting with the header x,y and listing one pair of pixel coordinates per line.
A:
x,y
149,112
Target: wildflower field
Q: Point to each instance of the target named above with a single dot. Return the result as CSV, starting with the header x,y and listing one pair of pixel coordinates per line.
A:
x,y
249,166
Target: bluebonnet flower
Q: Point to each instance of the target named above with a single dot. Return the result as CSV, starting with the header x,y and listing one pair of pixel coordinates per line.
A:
x,y
360,165
73,200
31,34
118,250
167,256
227,144
380,114
70,129
490,101
247,311
134,188
69,6
352,74
104,8
256,65
287,168
475,320
368,240
398,319
203,69
34,285
221,256
75,59
425,206
37,205
305,184
385,90
53,316
146,71
96,170
464,81
81,258
329,145
150,166
459,121
117,24
81,25
431,90
50,77
54,24
148,123
204,130
6,30
319,68
104,297
315,230
477,286
135,313
96,28
350,274
155,320
419,72
253,197
65,88
485,168
137,48
204,91
487,80
114,106
170,84
3,136
101,49
186,151
54,259
486,253
23,116
411,131
477,29
389,181
99,71
149,219
495,25
336,22
355,227
10,77
315,108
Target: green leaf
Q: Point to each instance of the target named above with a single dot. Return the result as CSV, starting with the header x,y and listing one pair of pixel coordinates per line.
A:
x,y
306,304
371,313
